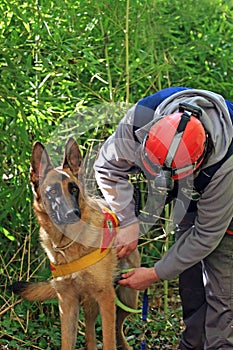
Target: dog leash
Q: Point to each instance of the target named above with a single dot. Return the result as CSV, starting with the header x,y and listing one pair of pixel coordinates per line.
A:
x,y
118,302
125,307
144,317
143,311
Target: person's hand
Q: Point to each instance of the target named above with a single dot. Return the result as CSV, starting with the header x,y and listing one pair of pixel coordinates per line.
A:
x,y
140,278
127,240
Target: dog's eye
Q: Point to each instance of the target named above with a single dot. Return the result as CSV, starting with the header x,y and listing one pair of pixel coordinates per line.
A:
x,y
53,191
73,188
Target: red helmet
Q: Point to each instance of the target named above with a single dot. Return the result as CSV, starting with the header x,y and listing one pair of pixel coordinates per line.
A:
x,y
176,142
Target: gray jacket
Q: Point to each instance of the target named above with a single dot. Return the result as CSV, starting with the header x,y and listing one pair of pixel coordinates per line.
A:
x,y
119,157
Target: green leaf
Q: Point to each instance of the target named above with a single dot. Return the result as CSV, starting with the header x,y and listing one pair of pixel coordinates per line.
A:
x,y
7,234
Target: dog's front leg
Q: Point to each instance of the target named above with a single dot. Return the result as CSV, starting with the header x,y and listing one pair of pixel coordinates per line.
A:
x,y
106,301
69,312
91,312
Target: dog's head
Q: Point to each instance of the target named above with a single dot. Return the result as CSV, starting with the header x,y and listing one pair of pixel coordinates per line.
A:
x,y
58,191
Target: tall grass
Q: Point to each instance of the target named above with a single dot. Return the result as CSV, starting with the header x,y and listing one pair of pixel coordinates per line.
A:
x,y
64,58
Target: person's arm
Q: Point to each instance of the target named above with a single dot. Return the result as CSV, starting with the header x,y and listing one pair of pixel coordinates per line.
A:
x,y
112,168
214,216
115,162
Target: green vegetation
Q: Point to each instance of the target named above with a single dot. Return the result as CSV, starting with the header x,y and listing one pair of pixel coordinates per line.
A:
x,y
74,67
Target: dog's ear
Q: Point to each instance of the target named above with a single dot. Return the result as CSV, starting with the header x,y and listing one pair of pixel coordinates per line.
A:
x,y
72,157
40,163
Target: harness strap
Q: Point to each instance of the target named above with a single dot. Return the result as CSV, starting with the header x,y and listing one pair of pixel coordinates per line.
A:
x,y
205,175
79,264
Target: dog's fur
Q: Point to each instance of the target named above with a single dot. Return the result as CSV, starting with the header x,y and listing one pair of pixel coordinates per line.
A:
x,y
71,225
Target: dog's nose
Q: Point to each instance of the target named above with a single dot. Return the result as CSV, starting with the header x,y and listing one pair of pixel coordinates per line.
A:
x,y
73,215
77,212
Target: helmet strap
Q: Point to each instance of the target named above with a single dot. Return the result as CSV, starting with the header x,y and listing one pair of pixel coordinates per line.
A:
x,y
184,119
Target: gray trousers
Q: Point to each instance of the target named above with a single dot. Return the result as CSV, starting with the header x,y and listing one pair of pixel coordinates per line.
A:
x,y
206,291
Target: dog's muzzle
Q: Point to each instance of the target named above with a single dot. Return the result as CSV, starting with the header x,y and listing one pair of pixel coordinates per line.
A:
x,y
63,216
72,216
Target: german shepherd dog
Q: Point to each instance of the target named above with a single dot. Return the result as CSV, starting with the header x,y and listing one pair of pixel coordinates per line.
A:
x,y
72,226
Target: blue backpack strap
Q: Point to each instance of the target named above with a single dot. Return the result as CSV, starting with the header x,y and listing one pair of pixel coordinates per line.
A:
x,y
146,107
230,108
205,176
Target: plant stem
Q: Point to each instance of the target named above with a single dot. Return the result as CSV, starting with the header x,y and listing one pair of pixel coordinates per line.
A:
x,y
127,51
106,56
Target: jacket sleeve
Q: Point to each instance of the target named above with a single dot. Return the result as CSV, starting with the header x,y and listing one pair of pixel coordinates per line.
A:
x,y
214,214
115,162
